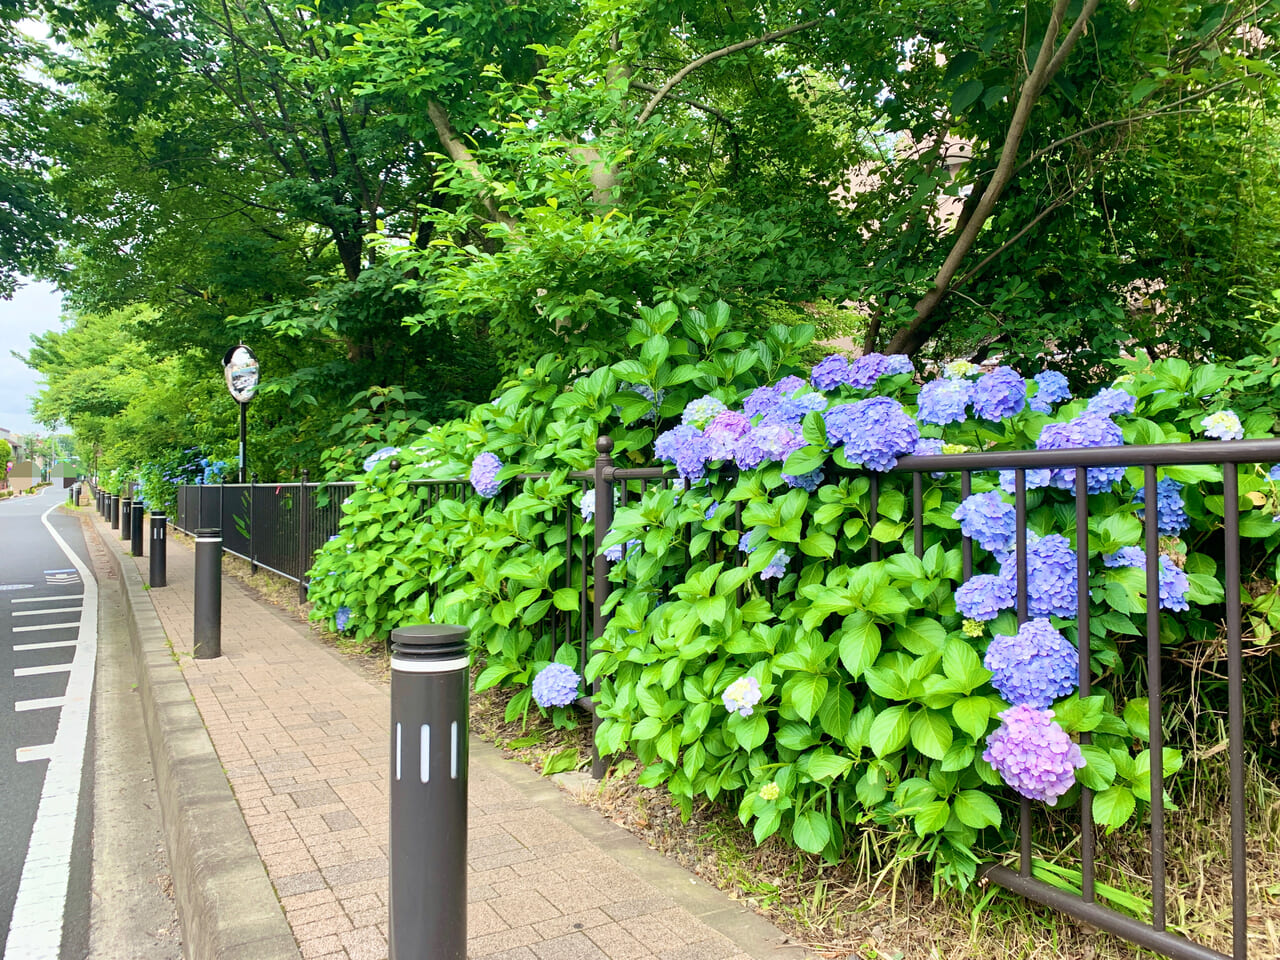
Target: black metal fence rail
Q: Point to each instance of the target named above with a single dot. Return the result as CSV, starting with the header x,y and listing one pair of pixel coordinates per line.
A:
x,y
289,522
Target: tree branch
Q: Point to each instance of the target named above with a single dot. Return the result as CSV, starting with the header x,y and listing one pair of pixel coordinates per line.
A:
x,y
458,152
696,104
684,71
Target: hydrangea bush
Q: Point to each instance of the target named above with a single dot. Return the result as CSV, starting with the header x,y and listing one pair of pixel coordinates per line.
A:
x,y
756,652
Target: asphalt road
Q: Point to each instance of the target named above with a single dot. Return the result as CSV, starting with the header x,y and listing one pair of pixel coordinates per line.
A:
x,y
48,640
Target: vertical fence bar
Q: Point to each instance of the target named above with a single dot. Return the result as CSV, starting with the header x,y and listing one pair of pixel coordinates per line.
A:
x,y
1020,563
604,520
1154,711
1083,643
303,539
1235,711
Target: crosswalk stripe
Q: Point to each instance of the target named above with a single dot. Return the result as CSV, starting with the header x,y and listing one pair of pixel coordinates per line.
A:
x,y
49,645
45,626
56,598
44,703
37,613
27,754
42,669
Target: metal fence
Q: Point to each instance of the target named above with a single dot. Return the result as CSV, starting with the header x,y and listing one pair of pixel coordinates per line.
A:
x,y
279,526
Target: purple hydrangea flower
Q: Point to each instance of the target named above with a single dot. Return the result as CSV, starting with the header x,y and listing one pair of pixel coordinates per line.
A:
x,y
686,447
1033,754
1053,389
805,481
342,618
791,408
776,569
741,696
1109,401
556,685
702,411
984,596
789,385
724,433
484,475
378,456
1086,430
930,447
1173,579
1171,517
1052,586
999,394
866,370
944,401
875,432
830,372
1035,666
986,518
767,442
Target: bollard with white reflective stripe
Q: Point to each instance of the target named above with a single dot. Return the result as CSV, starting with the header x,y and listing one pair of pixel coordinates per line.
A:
x,y
430,683
115,511
208,594
159,551
135,528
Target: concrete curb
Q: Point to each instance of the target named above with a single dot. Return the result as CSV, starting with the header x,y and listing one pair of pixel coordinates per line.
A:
x,y
228,908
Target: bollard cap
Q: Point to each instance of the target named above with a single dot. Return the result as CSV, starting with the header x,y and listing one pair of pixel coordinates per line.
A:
x,y
429,641
209,532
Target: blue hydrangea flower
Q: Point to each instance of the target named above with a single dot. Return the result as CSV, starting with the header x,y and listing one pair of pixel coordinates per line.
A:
x,y
986,518
830,372
866,370
1053,388
999,394
1035,666
984,596
1173,579
342,619
724,433
1274,474
1223,425
944,401
616,552
556,685
1109,401
1034,755
646,391
1086,430
702,411
1171,517
378,456
897,363
484,475
789,385
741,696
776,569
588,503
805,481
874,432
1051,576
686,447
930,447
753,538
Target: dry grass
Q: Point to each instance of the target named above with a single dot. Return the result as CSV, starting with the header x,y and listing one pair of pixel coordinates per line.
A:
x,y
875,907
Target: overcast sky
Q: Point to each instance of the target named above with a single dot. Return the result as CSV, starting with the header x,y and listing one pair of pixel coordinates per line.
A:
x,y
35,308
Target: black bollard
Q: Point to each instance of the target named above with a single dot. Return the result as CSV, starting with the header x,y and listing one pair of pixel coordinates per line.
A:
x,y
208,594
135,528
71,496
126,517
159,551
430,681
115,511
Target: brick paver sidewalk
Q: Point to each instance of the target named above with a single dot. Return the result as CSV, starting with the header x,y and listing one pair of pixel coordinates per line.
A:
x,y
303,738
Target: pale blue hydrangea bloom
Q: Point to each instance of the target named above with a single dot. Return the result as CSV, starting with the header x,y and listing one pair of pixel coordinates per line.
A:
x,y
944,401
378,456
776,569
1034,755
1223,425
999,394
556,685
806,481
686,447
741,696
724,433
1086,430
702,411
342,619
1052,585
1109,401
983,597
986,518
615,553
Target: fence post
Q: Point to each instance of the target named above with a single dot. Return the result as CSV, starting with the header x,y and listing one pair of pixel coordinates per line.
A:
x,y
430,680
253,553
303,539
135,528
208,594
600,573
159,551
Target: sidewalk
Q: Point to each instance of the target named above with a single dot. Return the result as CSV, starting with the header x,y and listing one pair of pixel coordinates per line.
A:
x,y
302,737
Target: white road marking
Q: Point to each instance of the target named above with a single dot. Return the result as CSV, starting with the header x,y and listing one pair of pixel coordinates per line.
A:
x,y
26,755
37,613
42,669
43,703
55,598
52,644
45,626
35,932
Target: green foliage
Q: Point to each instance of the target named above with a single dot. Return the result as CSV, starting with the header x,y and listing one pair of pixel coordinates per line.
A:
x,y
875,704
